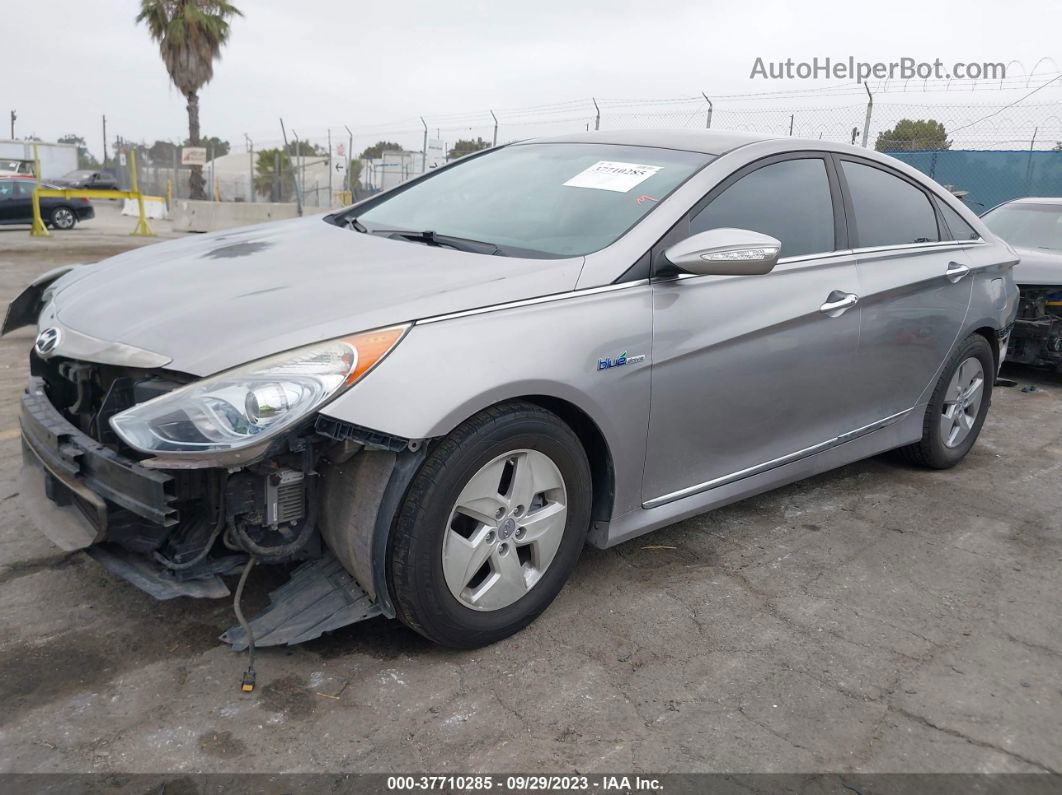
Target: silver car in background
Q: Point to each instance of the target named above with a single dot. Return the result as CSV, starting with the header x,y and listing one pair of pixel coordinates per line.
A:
x,y
431,400
1033,226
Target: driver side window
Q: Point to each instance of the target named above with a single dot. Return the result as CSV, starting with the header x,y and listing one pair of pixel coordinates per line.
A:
x,y
789,200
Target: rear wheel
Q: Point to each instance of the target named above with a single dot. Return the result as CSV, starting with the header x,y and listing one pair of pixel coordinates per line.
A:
x,y
957,408
63,218
491,528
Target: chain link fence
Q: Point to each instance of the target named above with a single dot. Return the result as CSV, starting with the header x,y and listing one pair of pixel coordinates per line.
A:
x,y
999,140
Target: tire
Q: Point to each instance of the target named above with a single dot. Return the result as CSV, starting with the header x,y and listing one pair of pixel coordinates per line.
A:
x,y
439,587
953,423
63,218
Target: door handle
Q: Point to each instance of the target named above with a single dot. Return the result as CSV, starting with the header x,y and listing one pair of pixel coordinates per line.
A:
x,y
837,303
955,271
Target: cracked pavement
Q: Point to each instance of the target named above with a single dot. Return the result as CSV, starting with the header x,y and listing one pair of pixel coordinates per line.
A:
x,y
877,618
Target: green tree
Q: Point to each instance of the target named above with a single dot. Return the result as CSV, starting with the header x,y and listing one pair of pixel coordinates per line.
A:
x,y
84,157
377,149
1058,146
305,149
354,177
911,135
190,35
163,152
267,182
466,146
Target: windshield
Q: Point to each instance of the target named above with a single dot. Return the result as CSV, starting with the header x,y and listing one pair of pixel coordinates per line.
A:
x,y
1027,225
7,164
545,200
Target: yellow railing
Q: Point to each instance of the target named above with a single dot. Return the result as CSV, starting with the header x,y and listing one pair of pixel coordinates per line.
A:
x,y
40,230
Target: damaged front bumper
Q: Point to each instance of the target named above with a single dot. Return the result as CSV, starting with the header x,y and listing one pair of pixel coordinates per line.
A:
x,y
1037,336
80,493
84,495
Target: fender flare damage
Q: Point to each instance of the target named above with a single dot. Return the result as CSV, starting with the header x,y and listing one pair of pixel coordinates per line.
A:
x,y
360,498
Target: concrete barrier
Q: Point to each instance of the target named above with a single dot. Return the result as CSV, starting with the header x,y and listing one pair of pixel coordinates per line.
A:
x,y
203,216
154,209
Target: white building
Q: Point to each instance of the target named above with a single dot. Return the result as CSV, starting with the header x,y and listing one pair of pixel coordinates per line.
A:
x,y
232,176
392,168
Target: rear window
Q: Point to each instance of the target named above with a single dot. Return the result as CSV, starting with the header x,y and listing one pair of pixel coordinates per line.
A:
x,y
544,200
889,211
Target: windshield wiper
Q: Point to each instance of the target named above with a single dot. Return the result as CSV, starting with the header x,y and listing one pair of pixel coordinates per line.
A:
x,y
356,225
435,239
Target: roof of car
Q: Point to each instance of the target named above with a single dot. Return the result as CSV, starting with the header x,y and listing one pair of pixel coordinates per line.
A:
x,y
1036,200
709,142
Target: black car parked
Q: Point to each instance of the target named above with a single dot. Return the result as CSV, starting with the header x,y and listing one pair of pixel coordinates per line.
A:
x,y
16,205
88,179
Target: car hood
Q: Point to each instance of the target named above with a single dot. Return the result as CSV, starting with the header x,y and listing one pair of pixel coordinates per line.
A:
x,y
214,301
1038,267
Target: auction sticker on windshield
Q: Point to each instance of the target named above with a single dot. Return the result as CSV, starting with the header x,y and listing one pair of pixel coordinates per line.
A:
x,y
611,175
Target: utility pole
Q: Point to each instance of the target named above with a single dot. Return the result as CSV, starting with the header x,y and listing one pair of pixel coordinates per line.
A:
x,y
250,150
597,117
1029,161
495,128
298,197
297,169
330,194
13,117
424,154
708,121
870,107
104,139
791,117
350,162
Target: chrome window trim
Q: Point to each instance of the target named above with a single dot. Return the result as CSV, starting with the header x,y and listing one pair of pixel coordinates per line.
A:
x,y
758,469
938,244
783,261
542,299
846,252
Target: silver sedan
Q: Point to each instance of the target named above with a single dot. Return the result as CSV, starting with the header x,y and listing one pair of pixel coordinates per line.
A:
x,y
426,404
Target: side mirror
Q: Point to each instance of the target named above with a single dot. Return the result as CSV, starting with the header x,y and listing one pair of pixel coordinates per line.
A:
x,y
725,252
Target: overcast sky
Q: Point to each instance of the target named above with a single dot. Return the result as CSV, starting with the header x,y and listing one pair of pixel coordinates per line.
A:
x,y
325,64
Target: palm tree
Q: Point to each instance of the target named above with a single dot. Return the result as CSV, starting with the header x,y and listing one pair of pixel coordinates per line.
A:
x,y
190,34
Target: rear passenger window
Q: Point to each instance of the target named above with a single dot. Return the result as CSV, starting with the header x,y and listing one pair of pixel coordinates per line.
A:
x,y
959,229
789,200
888,210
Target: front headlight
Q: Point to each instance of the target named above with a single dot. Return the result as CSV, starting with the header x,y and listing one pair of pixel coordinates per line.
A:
x,y
245,405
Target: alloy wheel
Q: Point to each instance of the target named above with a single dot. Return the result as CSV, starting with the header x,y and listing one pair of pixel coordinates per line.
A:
x,y
63,218
962,402
504,530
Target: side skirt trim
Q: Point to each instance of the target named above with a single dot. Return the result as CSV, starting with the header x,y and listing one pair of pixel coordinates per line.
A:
x,y
775,462
639,521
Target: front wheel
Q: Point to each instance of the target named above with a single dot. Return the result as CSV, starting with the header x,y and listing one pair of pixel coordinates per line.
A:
x,y
491,528
957,408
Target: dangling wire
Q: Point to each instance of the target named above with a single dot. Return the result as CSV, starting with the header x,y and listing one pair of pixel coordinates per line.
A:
x,y
247,685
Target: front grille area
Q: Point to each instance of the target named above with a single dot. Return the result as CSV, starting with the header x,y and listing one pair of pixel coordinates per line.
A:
x,y
89,394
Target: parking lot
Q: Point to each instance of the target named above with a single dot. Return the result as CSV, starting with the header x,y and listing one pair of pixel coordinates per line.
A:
x,y
875,618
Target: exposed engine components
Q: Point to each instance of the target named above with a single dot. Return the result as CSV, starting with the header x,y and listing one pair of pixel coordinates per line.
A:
x,y
1037,336
272,511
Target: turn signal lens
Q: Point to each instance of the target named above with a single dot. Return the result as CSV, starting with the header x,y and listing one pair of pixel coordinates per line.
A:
x,y
371,347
